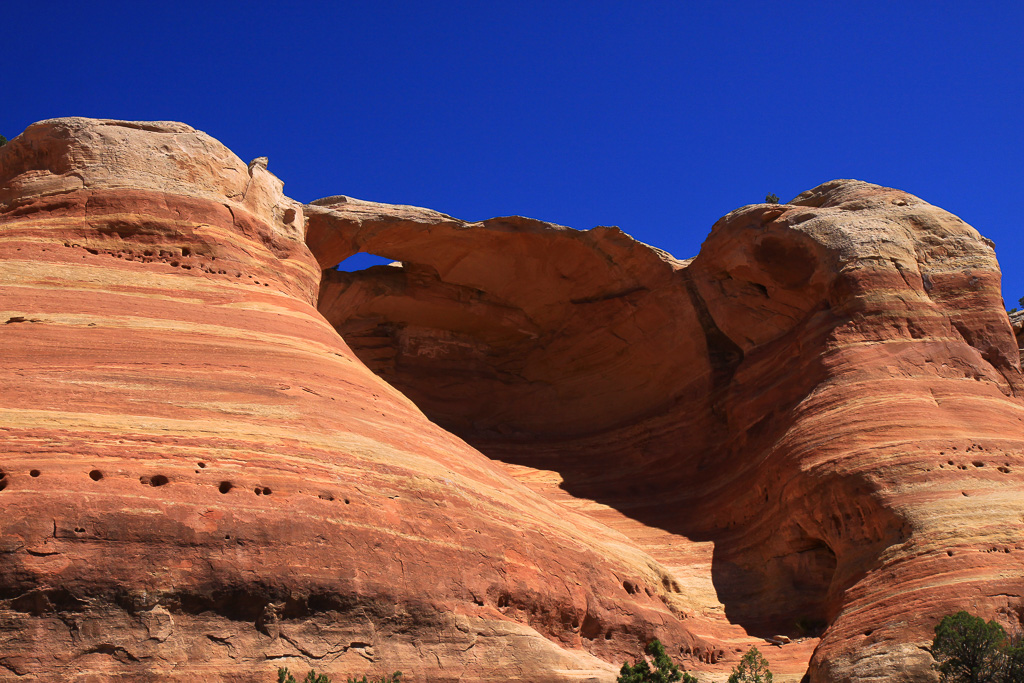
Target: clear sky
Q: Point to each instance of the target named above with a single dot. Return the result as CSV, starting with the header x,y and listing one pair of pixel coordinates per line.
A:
x,y
658,117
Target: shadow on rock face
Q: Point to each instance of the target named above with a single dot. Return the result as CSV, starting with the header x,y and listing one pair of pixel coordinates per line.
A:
x,y
771,396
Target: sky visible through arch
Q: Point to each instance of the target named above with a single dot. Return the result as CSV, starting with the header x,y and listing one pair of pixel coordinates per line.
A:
x,y
658,117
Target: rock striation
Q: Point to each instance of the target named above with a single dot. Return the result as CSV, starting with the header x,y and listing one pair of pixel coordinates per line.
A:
x,y
816,424
1017,321
199,480
535,449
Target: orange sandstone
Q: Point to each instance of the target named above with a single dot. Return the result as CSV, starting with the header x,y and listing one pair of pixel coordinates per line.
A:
x,y
812,429
815,424
201,481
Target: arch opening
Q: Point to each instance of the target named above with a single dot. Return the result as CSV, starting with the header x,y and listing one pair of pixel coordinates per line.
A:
x,y
361,261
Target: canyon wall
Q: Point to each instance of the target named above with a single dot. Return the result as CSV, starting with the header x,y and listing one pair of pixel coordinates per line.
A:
x,y
518,453
199,480
815,424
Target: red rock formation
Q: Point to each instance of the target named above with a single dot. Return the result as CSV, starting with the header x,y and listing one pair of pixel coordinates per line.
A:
x,y
200,481
815,423
1017,322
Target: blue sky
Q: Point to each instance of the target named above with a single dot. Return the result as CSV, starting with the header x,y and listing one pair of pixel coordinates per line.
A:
x,y
656,117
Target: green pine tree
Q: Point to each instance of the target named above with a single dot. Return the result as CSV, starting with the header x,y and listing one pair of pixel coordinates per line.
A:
x,y
753,668
1013,660
665,670
967,649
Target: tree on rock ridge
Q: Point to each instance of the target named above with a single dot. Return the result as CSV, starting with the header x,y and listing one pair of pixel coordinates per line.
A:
x,y
753,668
665,670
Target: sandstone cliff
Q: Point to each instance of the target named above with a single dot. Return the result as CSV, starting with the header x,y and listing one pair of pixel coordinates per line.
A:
x,y
1017,322
815,422
199,479
813,428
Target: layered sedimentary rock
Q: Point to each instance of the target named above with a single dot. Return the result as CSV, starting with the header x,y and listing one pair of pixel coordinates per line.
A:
x,y
816,425
1017,322
200,481
813,430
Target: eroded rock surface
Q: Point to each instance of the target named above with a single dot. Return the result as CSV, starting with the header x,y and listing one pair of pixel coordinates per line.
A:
x,y
1017,322
812,432
199,480
816,425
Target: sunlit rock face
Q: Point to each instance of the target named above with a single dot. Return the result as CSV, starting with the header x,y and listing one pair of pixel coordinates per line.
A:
x,y
199,480
815,425
538,449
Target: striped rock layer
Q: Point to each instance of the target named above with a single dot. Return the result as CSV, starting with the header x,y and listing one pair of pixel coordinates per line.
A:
x,y
199,481
812,430
815,425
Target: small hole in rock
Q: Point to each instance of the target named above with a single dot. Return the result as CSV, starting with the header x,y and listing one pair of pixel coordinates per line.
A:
x,y
79,530
95,475
325,496
347,501
258,491
34,473
185,251
978,463
156,480
950,553
868,632
201,465
225,486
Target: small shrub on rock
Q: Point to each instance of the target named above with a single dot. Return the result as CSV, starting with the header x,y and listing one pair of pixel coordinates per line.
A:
x,y
284,676
3,141
753,668
393,678
772,198
665,671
